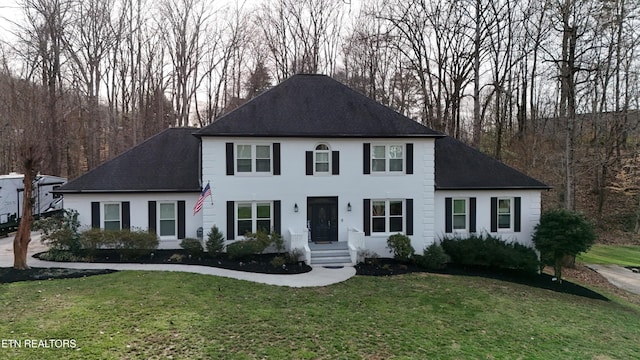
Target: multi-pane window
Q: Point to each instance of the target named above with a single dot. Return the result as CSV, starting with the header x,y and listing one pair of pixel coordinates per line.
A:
x,y
504,213
254,216
387,158
387,216
322,159
253,158
112,216
263,158
459,214
167,219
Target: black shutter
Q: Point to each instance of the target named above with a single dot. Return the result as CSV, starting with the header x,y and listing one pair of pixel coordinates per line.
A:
x,y
448,215
152,216
367,217
126,215
409,220
230,221
277,217
472,214
494,214
366,158
95,215
335,162
517,214
308,156
409,159
276,158
181,220
230,163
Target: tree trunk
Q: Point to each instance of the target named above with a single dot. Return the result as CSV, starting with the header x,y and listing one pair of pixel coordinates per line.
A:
x,y
557,269
23,236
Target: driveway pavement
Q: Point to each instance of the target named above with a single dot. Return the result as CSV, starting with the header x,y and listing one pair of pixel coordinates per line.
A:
x,y
318,276
619,276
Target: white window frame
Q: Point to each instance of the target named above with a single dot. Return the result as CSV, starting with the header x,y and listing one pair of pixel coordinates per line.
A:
x,y
103,215
387,216
160,219
510,213
454,214
326,152
387,158
253,157
254,216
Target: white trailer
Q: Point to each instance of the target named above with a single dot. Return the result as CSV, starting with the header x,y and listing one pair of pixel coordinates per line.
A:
x,y
45,202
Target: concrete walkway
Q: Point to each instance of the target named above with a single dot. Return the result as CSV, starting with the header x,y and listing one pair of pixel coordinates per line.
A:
x,y
318,276
619,276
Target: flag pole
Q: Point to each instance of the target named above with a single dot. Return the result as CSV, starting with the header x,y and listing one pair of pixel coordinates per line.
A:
x,y
211,197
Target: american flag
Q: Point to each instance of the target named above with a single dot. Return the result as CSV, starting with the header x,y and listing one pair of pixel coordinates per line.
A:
x,y
203,195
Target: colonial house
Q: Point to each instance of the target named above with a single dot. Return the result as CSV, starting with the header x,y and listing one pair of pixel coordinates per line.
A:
x,y
333,171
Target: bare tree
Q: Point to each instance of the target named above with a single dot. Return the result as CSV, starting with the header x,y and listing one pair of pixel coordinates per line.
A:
x,y
89,41
184,23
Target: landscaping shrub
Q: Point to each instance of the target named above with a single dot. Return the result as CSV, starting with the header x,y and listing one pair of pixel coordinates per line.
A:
x,y
135,243
60,232
93,239
255,243
59,255
433,257
131,243
294,256
242,249
278,261
562,233
215,241
400,246
193,246
490,251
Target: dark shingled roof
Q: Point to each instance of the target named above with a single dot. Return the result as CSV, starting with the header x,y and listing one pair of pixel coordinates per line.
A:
x,y
315,106
459,166
166,162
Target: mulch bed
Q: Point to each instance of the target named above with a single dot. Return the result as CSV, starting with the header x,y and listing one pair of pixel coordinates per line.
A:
x,y
9,275
262,264
256,263
389,267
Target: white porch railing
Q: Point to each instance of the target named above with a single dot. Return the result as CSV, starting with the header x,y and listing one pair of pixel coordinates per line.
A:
x,y
300,240
356,243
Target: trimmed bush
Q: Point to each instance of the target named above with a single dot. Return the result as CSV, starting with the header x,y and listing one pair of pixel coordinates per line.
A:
x,y
562,233
243,249
131,243
400,246
433,257
490,251
193,246
215,241
255,243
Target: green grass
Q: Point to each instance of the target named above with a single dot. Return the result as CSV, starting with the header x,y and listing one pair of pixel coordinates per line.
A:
x,y
155,315
611,254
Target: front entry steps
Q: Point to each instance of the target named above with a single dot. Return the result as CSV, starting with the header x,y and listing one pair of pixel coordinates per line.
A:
x,y
332,254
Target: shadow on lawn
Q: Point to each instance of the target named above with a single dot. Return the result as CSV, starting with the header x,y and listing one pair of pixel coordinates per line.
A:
x,y
388,267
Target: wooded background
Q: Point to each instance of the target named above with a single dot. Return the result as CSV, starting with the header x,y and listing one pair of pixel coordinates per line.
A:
x,y
547,86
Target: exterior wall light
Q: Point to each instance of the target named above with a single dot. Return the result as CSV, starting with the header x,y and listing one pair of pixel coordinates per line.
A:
x,y
349,207
295,207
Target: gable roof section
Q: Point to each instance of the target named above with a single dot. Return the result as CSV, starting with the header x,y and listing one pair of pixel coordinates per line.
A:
x,y
315,106
166,162
459,166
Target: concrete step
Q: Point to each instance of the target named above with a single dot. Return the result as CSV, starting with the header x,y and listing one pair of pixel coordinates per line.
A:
x,y
330,257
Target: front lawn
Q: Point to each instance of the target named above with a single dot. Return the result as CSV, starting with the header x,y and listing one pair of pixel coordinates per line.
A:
x,y
611,254
158,315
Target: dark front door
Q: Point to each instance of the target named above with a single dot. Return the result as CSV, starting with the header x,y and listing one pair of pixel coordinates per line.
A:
x,y
322,218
